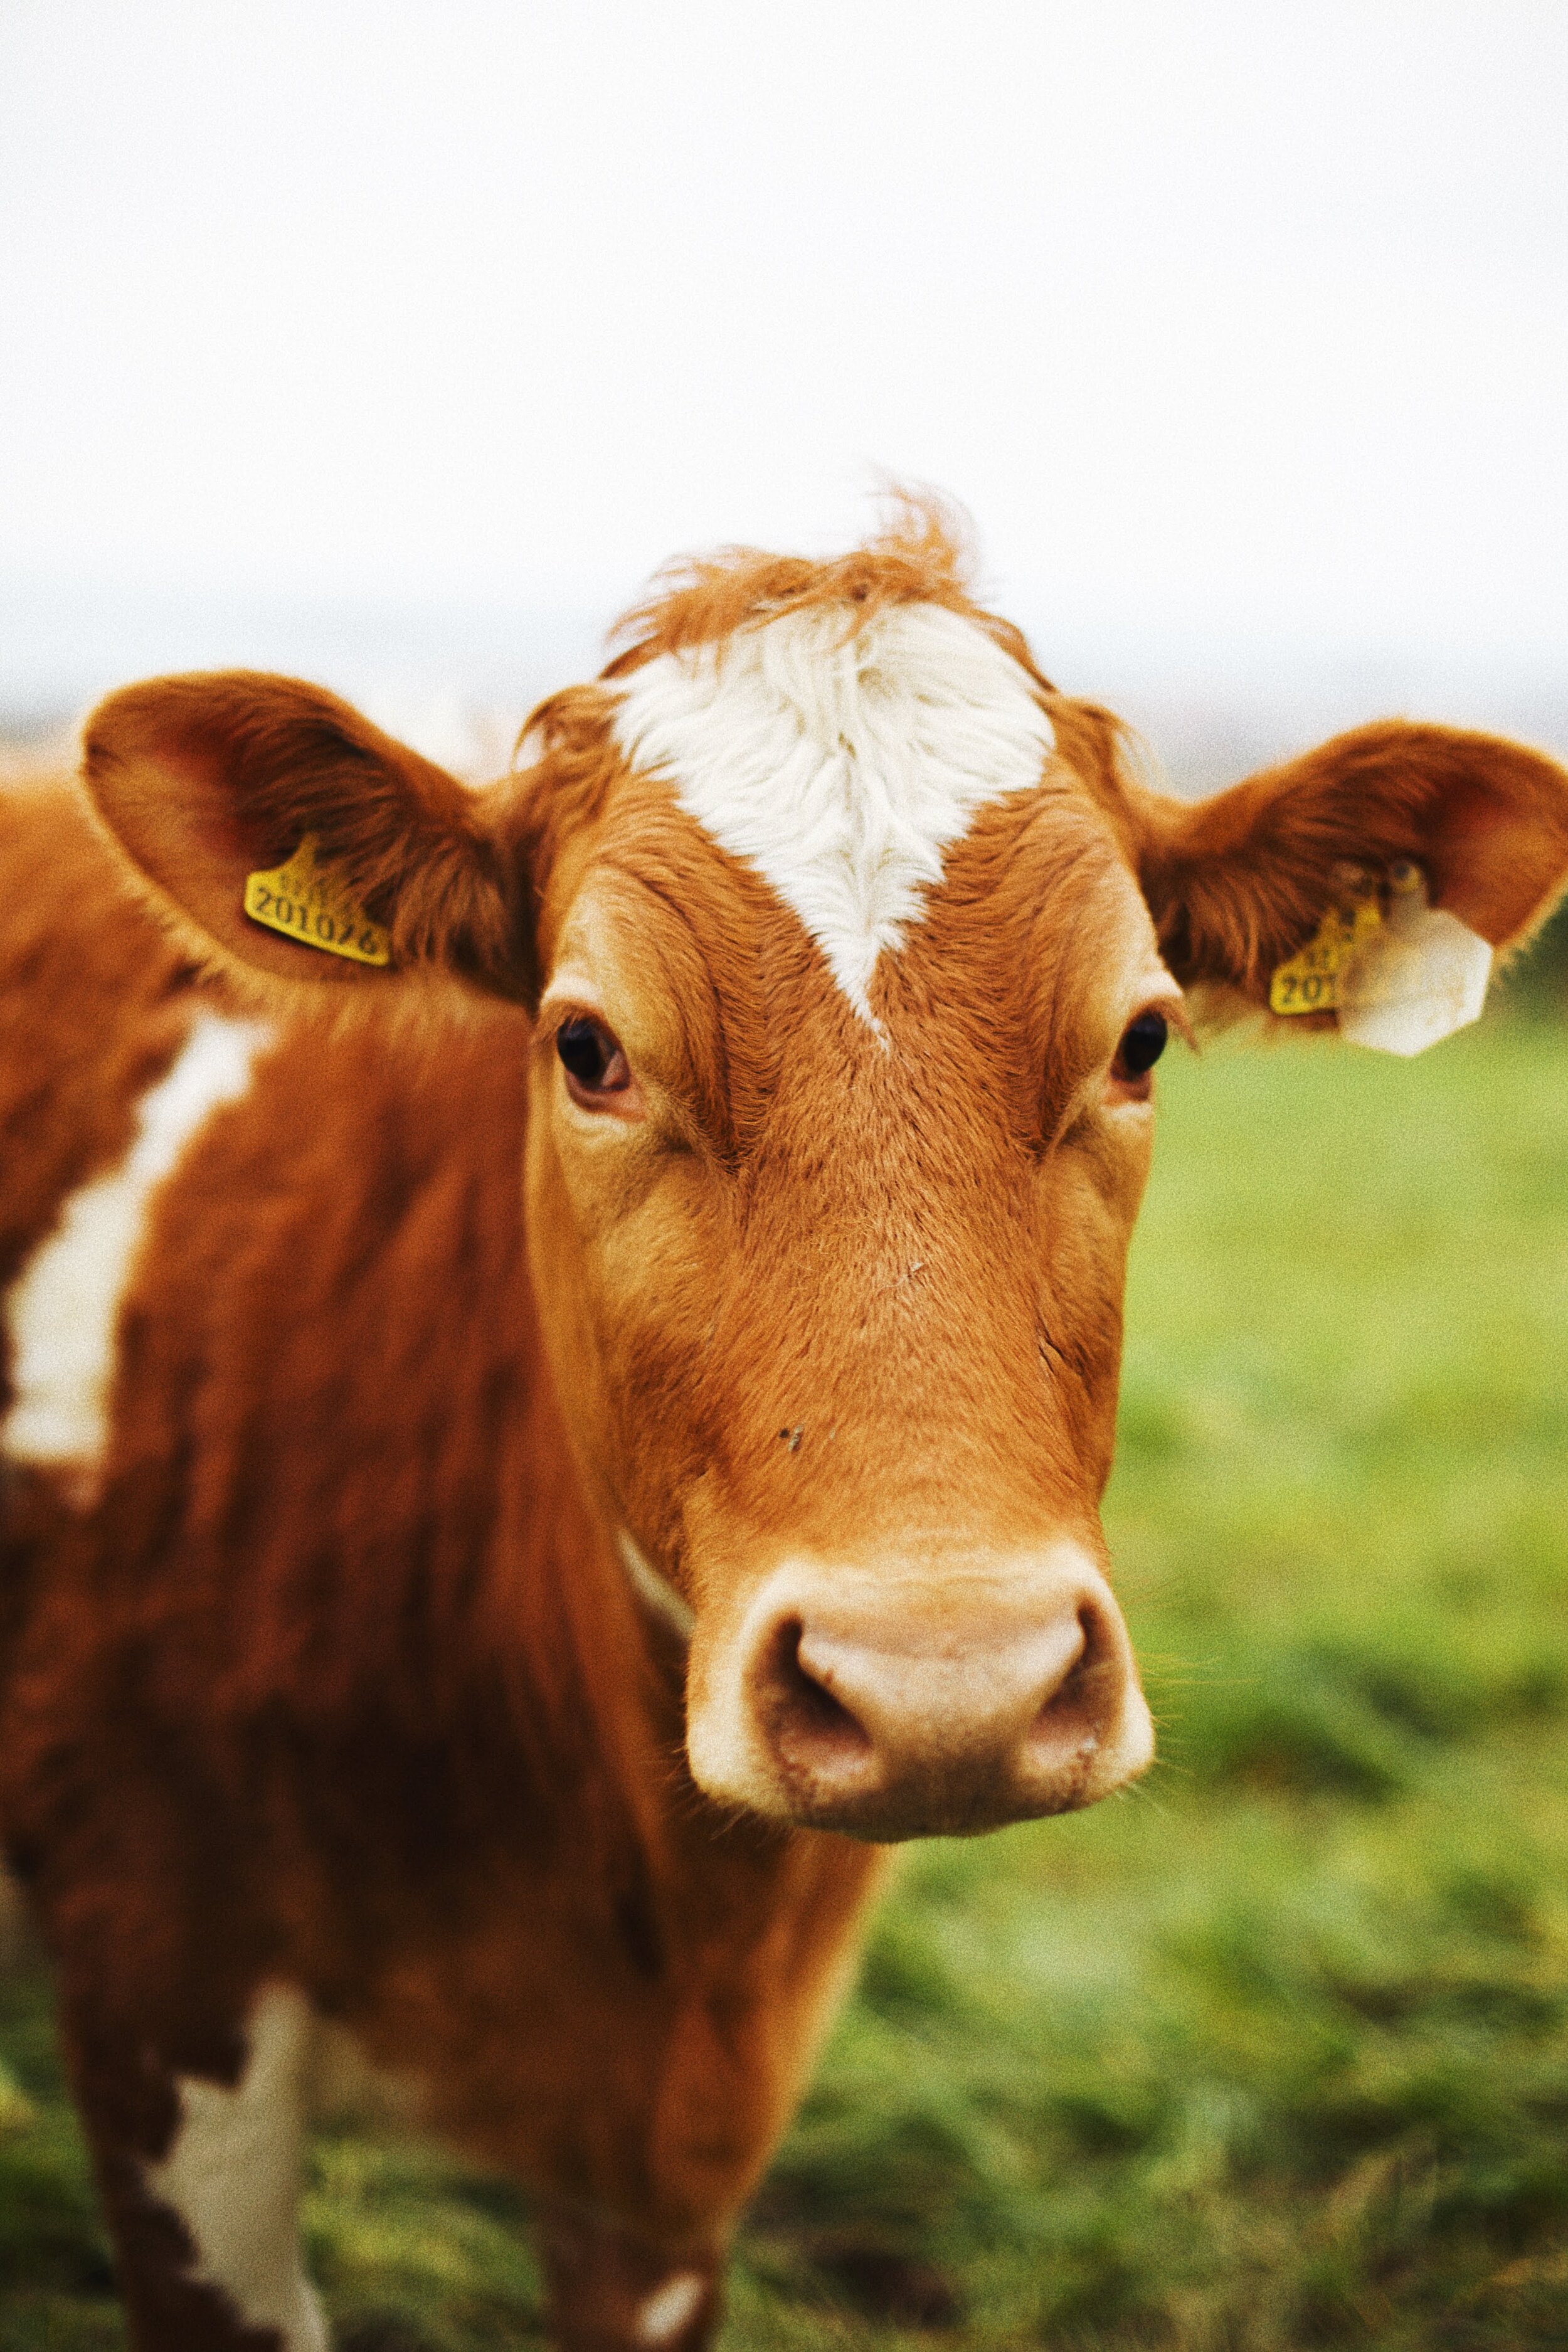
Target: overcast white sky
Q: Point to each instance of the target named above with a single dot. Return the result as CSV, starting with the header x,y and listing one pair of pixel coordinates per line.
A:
x,y
1241,326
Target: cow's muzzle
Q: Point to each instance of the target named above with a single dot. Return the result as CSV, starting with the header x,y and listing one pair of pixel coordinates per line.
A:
x,y
866,1703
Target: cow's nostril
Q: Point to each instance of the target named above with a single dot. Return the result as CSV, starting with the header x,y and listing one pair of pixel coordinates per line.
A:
x,y
1073,1716
808,1726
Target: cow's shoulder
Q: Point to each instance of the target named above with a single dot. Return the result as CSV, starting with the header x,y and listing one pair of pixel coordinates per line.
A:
x,y
95,998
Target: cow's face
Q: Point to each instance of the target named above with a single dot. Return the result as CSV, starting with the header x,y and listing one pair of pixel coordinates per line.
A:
x,y
851,950
834,1155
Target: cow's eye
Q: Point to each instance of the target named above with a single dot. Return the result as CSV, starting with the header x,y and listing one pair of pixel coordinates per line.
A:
x,y
1142,1042
593,1062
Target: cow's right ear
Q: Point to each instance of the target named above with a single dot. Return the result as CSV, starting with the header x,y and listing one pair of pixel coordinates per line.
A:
x,y
212,782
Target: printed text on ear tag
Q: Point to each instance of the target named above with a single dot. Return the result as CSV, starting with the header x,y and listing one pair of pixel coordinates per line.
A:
x,y
306,902
1310,981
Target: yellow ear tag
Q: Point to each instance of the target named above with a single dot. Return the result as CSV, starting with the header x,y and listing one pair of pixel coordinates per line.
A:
x,y
306,902
1310,981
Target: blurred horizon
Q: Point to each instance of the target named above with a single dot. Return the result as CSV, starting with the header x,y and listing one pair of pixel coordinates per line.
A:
x,y
457,679
397,347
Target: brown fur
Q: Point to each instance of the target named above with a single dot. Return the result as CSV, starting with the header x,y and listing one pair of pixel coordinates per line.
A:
x,y
1239,883
340,1683
262,770
67,1076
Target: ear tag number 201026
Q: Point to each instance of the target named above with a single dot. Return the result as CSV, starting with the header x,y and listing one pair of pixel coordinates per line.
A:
x,y
307,903
1310,981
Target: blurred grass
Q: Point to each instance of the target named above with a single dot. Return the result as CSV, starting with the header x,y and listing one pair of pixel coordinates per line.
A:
x,y
1272,2052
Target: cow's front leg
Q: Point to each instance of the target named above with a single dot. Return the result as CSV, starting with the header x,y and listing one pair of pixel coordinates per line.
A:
x,y
613,2291
662,2106
199,2176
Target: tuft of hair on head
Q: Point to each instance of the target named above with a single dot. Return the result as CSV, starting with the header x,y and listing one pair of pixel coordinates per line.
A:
x,y
924,554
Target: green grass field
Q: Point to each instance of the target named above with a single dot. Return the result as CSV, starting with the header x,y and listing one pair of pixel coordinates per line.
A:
x,y
1273,2051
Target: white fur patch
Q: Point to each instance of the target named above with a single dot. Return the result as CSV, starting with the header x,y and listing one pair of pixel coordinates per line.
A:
x,y
64,1310
233,2177
841,768
670,2306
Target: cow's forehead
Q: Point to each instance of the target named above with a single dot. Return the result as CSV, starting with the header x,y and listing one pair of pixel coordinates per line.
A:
x,y
840,764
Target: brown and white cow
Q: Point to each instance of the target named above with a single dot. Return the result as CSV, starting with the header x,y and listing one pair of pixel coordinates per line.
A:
x,y
526,1464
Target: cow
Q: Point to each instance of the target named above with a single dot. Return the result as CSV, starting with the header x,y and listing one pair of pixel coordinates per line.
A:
x,y
561,1356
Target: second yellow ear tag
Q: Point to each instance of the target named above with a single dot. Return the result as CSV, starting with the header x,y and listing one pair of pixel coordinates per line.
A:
x,y
1310,981
307,902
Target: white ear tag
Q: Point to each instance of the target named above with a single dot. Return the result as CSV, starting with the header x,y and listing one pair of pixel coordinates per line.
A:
x,y
1420,975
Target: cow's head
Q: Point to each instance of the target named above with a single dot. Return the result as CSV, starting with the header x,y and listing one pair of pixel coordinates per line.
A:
x,y
851,946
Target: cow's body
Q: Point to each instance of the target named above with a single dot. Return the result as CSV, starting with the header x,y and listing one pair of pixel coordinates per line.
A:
x,y
355,1520
355,1682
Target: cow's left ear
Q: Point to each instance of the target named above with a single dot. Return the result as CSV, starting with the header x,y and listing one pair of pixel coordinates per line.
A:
x,y
1241,884
288,837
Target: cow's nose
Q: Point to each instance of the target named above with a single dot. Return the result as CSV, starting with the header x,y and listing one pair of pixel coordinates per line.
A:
x,y
874,1731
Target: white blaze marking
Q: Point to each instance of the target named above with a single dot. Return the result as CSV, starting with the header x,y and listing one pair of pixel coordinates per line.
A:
x,y
233,2177
841,768
65,1309
670,2306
